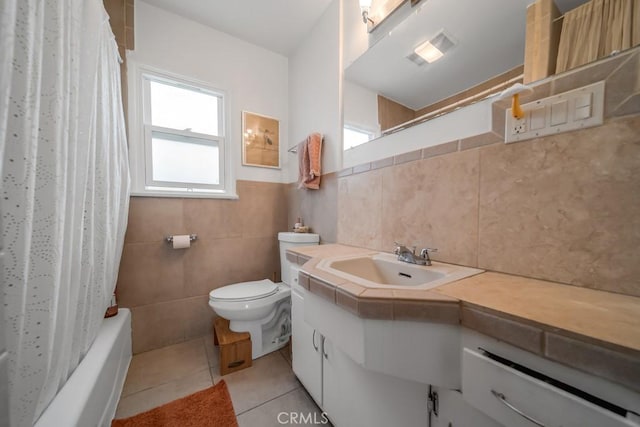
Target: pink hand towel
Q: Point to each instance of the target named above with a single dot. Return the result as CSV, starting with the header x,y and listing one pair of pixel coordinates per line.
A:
x,y
303,163
314,147
309,162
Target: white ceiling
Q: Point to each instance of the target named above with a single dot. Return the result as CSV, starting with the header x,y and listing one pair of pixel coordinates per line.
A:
x,y
277,25
280,25
485,47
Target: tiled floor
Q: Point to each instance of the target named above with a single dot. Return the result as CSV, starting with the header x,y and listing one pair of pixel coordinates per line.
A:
x,y
258,393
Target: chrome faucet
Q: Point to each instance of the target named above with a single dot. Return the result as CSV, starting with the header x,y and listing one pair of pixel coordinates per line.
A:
x,y
409,255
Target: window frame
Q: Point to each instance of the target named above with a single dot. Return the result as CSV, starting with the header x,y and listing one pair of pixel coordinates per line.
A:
x,y
141,132
356,128
184,137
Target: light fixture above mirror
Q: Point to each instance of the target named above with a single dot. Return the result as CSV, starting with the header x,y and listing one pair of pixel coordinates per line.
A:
x,y
365,8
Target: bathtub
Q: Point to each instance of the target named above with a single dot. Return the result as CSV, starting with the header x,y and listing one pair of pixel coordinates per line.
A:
x,y
90,396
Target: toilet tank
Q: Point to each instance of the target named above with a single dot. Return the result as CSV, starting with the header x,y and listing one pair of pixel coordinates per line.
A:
x,y
290,240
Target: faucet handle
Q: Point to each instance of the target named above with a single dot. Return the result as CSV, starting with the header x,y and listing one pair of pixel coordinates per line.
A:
x,y
425,252
400,247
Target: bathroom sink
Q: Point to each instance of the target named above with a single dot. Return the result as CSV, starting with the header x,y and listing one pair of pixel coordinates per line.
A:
x,y
382,270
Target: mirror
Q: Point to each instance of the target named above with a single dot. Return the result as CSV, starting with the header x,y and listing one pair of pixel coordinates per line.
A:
x,y
389,87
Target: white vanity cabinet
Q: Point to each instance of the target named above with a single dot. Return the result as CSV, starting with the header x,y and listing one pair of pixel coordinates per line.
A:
x,y
306,343
316,363
379,372
351,395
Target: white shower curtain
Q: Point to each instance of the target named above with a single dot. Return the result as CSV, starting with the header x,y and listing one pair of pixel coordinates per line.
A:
x,y
65,190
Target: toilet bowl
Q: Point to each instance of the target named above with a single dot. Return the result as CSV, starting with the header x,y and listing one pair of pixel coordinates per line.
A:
x,y
261,307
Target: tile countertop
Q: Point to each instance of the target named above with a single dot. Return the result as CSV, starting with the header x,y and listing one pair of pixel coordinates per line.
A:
x,y
595,331
604,316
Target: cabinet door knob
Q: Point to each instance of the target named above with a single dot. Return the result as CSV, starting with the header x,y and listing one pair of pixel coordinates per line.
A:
x,y
313,341
324,353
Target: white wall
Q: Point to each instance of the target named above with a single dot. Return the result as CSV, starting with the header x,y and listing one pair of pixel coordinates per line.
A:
x,y
255,79
315,79
356,37
463,123
360,107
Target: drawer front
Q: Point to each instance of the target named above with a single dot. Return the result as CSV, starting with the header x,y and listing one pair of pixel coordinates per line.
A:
x,y
517,400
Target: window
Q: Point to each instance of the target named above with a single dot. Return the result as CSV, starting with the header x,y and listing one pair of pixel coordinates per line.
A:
x,y
182,148
353,136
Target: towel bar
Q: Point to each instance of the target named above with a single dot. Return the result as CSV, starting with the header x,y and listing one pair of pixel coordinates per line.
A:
x,y
294,149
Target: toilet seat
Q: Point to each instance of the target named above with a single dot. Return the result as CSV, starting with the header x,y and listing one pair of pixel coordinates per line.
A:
x,y
245,291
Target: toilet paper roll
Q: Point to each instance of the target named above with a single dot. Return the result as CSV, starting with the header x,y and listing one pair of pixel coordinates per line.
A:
x,y
181,242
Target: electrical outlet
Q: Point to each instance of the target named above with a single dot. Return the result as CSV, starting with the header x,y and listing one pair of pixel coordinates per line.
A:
x,y
576,109
519,126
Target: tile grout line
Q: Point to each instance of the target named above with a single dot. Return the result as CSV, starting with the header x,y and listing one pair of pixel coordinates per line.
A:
x,y
206,354
270,400
164,383
299,386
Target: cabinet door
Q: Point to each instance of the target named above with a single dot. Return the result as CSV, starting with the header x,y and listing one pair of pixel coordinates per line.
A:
x,y
338,391
356,397
306,349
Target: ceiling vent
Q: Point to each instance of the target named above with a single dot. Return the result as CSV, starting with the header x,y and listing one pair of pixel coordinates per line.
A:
x,y
416,59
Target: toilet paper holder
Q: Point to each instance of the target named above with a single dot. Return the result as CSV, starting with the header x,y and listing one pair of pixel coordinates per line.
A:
x,y
192,237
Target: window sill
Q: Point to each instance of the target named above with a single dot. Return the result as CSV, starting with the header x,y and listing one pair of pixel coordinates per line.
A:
x,y
186,195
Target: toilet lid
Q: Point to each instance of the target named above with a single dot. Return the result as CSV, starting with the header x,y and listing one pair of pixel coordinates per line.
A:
x,y
244,291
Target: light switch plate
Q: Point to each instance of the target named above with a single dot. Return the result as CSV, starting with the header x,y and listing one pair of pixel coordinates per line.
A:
x,y
576,109
582,113
538,118
559,113
583,100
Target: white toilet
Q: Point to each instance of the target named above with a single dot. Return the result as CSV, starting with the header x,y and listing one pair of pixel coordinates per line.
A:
x,y
262,308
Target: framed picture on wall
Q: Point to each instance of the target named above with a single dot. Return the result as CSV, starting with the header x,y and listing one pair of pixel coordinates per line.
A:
x,y
260,140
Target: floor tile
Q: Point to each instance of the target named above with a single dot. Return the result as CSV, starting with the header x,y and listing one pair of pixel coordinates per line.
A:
x,y
293,408
156,396
157,367
269,377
